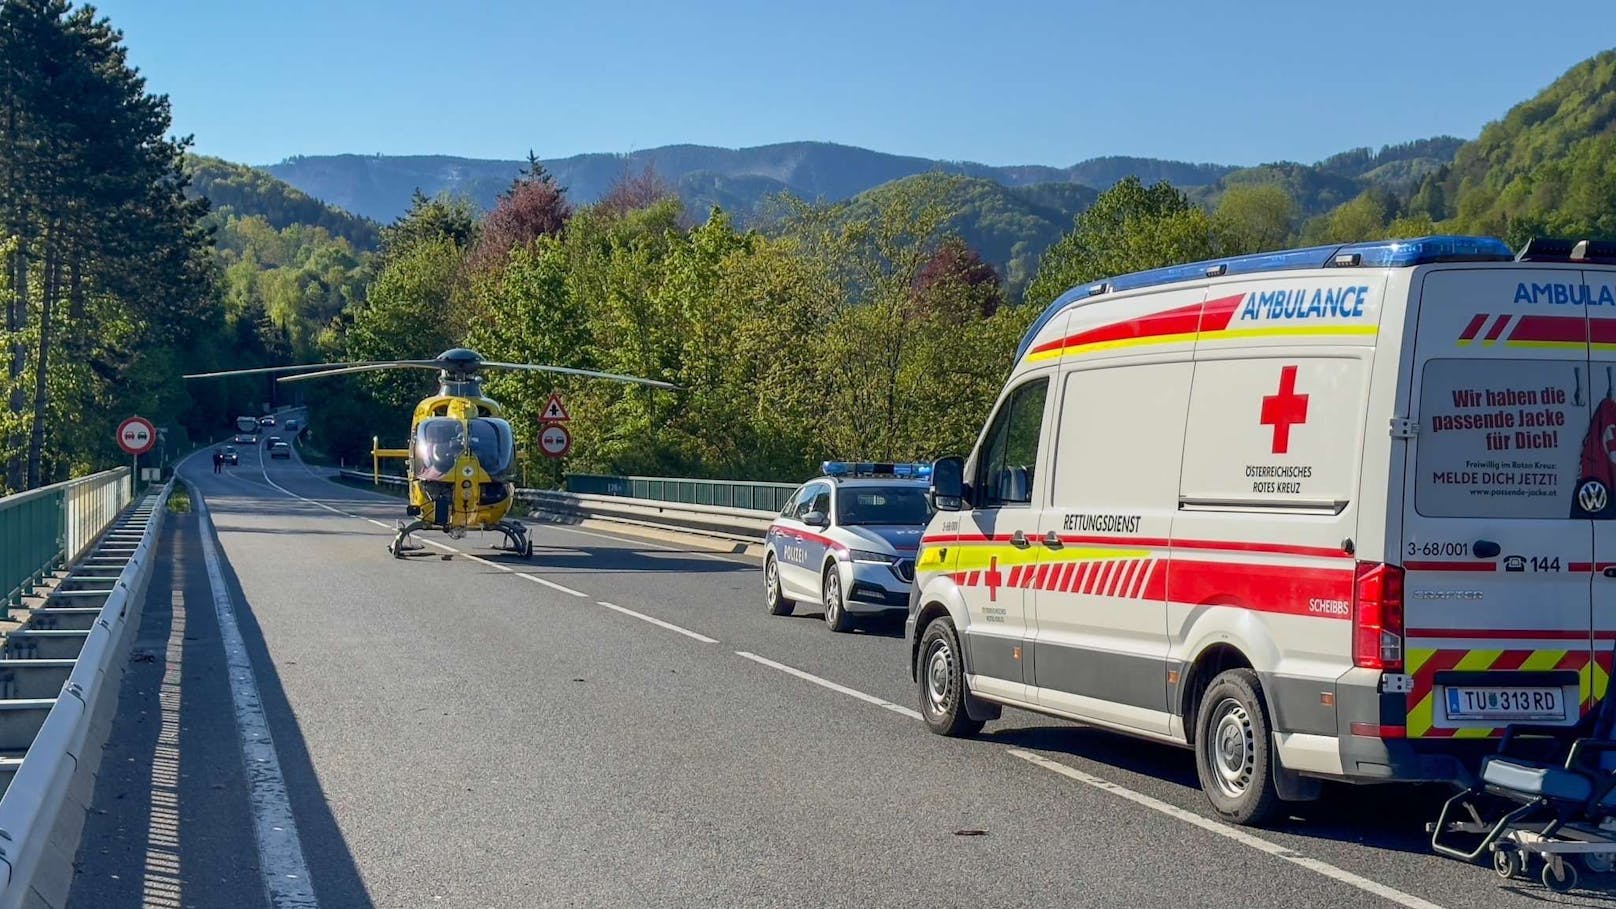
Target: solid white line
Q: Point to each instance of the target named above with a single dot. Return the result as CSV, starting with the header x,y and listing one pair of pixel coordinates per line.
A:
x,y
1228,832
658,622
280,852
827,683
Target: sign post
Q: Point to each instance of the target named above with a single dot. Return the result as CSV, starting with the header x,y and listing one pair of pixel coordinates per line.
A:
x,y
554,440
136,436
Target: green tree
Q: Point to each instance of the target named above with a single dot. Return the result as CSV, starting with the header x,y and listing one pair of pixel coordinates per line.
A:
x,y
1129,228
1254,218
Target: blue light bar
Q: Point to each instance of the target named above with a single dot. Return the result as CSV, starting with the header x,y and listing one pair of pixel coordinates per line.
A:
x,y
1380,254
1424,251
911,471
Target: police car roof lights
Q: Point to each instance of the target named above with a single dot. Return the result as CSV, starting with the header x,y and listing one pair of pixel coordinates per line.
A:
x,y
1378,254
851,469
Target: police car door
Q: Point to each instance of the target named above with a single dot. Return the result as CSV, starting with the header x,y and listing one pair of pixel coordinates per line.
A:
x,y
1497,533
800,546
998,546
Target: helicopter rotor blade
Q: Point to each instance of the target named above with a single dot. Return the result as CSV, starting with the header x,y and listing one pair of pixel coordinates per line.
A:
x,y
264,369
587,373
364,367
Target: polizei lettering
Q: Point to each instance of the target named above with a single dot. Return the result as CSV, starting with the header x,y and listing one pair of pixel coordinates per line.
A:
x,y
1560,294
1300,303
1102,523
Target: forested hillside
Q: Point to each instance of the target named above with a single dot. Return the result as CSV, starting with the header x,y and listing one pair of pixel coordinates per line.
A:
x,y
1549,166
380,186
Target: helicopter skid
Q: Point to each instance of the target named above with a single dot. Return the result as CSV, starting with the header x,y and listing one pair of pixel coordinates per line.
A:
x,y
516,538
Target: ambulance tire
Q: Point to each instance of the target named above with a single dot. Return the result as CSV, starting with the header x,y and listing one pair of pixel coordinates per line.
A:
x,y
1234,750
774,595
942,682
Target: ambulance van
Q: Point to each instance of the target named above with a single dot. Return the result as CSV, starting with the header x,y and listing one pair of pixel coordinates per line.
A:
x,y
1339,513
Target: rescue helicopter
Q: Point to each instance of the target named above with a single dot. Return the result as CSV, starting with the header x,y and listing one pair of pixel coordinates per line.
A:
x,y
462,452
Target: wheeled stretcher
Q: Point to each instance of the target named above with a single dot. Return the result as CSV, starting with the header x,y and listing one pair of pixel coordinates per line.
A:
x,y
1546,801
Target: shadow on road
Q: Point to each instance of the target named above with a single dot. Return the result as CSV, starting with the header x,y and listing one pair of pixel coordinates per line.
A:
x,y
1389,817
337,881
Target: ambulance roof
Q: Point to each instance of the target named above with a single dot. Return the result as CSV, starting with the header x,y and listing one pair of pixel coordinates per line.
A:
x,y
1379,254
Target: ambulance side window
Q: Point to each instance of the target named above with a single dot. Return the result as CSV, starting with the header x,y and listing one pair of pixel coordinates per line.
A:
x,y
1010,451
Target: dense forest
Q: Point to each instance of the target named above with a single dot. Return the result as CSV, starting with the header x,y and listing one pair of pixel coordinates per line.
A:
x,y
879,326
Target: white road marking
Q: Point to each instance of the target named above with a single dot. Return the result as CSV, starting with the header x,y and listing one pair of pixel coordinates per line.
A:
x,y
827,683
658,622
1224,830
280,852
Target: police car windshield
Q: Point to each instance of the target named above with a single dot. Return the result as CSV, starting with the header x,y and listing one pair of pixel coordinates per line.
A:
x,y
864,505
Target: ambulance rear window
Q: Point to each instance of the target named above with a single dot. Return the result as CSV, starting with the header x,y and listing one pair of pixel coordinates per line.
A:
x,y
1503,438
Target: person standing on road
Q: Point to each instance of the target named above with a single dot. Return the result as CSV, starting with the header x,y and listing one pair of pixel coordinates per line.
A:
x,y
218,461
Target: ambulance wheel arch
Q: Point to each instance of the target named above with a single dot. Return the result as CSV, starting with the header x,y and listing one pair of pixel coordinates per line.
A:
x,y
941,602
1212,643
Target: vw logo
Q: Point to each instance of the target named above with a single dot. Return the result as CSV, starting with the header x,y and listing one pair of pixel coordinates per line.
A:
x,y
1592,496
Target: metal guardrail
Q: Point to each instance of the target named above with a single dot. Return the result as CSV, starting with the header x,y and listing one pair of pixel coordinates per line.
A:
x,y
746,524
59,683
44,528
722,493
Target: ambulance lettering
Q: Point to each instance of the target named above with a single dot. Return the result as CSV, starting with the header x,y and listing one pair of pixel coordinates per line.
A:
x,y
1558,294
1101,523
1300,303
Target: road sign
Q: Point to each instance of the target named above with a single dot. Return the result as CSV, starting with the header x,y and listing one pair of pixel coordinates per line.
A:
x,y
136,435
554,411
555,441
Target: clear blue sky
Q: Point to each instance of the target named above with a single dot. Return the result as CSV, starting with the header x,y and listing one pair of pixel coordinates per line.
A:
x,y
1007,83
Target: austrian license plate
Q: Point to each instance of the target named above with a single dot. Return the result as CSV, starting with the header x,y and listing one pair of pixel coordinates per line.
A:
x,y
1468,703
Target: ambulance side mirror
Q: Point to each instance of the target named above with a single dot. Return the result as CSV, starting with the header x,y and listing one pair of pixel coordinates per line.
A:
x,y
947,492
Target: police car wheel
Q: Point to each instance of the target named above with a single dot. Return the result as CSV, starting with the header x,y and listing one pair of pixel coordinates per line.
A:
x,y
942,682
1233,754
773,595
836,614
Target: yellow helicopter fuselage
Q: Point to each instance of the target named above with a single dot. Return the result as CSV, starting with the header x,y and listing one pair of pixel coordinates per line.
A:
x,y
460,459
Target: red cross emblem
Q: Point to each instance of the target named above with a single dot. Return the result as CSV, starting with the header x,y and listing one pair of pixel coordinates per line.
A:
x,y
993,579
1283,410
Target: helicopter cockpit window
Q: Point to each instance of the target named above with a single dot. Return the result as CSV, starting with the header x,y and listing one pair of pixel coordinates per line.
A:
x,y
438,444
494,445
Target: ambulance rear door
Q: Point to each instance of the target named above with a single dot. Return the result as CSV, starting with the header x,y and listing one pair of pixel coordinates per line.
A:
x,y
1498,538
1598,293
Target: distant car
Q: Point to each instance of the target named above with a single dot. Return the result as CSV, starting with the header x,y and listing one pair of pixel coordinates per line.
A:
x,y
272,440
291,425
279,449
245,439
231,456
847,541
266,421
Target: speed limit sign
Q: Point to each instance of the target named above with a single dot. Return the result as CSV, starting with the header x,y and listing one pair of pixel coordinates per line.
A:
x,y
136,435
555,441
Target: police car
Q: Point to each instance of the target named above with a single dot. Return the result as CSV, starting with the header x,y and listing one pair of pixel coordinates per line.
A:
x,y
847,540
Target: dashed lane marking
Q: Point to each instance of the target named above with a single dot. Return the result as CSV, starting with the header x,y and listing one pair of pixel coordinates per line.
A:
x,y
658,622
827,683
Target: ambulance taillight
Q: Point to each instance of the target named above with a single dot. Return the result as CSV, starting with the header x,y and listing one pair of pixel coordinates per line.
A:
x,y
1377,617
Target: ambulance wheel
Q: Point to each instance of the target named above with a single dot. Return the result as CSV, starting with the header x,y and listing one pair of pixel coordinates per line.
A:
x,y
1233,748
1508,864
836,614
942,682
1561,879
1599,862
773,595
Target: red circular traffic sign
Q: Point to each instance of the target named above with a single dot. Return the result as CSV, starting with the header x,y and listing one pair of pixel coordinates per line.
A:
x,y
136,435
555,441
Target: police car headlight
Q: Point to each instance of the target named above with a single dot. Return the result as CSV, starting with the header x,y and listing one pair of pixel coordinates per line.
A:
x,y
865,555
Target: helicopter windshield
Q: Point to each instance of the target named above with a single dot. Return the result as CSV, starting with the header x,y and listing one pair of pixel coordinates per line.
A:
x,y
439,442
494,445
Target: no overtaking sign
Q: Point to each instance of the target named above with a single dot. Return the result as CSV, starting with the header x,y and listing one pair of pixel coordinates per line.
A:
x,y
136,435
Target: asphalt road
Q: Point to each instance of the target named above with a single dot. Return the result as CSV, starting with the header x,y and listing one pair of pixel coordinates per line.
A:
x,y
488,732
